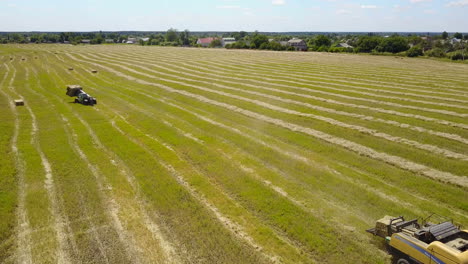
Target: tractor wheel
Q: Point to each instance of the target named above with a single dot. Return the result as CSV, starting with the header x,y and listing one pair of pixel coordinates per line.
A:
x,y
76,101
402,261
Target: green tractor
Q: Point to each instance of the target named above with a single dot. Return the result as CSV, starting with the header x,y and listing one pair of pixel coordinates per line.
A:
x,y
81,96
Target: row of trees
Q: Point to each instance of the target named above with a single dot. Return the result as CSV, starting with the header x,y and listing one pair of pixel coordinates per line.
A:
x,y
411,45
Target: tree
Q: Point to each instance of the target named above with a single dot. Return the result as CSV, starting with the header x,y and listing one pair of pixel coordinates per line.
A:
x,y
264,46
258,40
367,44
393,44
436,52
444,35
415,51
322,40
458,35
184,37
171,35
215,43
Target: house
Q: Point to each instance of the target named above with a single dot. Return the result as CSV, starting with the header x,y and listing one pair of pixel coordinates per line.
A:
x,y
282,43
344,45
225,41
205,42
144,39
454,41
131,41
109,41
298,44
86,41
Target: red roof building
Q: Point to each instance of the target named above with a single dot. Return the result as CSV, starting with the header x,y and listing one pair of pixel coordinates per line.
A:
x,y
205,42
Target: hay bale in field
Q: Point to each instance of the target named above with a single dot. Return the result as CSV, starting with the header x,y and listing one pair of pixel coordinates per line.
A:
x,y
73,90
23,59
70,68
11,58
94,71
19,102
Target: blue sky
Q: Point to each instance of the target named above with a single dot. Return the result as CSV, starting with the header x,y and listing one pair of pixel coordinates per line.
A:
x,y
235,15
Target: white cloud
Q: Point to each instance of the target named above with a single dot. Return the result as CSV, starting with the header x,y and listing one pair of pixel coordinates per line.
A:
x,y
228,7
278,2
399,8
458,3
429,11
419,1
343,12
368,6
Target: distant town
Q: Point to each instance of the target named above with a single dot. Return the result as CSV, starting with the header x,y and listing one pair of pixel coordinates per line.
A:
x,y
412,44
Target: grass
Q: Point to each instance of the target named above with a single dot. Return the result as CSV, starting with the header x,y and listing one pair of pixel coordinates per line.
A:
x,y
169,167
8,182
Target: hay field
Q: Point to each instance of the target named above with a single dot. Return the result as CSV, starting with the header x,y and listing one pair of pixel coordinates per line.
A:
x,y
223,156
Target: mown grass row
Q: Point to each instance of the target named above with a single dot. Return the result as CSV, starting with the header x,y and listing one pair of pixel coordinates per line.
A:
x,y
389,147
187,147
392,73
244,179
170,201
8,179
408,134
293,73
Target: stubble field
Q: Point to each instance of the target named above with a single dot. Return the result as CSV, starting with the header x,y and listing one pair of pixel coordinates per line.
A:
x,y
223,156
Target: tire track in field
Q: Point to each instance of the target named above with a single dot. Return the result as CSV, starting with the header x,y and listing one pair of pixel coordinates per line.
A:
x,y
92,230
265,64
426,147
290,76
110,204
305,160
272,81
195,139
290,155
188,135
273,69
332,101
302,81
234,228
343,83
23,254
319,108
299,158
59,223
446,177
168,250
370,67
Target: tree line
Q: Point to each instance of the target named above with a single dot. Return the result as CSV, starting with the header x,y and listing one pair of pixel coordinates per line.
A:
x,y
444,45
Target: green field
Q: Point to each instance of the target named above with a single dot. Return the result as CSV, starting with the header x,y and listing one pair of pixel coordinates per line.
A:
x,y
223,156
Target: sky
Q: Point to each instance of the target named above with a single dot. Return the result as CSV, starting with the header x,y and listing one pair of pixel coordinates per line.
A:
x,y
236,15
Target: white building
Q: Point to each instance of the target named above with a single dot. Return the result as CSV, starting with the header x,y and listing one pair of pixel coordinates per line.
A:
x,y
225,41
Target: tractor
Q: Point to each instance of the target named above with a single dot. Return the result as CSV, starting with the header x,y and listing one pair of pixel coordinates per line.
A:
x,y
410,242
81,96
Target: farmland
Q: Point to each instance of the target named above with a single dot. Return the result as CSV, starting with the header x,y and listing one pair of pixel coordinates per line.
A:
x,y
223,156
